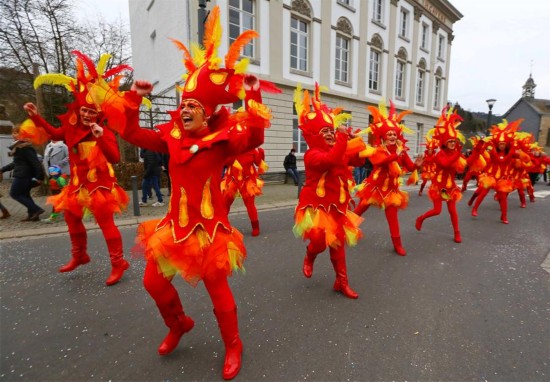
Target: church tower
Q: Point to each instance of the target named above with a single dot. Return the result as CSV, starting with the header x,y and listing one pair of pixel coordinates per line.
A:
x,y
529,88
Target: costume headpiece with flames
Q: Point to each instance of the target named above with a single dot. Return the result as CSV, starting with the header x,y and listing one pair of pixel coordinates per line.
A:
x,y
505,132
383,122
446,127
314,115
206,82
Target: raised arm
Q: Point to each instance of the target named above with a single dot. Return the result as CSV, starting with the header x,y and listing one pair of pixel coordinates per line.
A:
x,y
57,134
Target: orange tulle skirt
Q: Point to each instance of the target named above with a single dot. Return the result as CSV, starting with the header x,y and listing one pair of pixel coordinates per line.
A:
x,y
79,201
435,193
250,187
194,258
372,194
505,185
338,227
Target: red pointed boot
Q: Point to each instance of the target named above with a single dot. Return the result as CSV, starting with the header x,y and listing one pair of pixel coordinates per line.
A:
x,y
229,328
398,247
179,325
338,260
255,228
78,253
118,264
308,264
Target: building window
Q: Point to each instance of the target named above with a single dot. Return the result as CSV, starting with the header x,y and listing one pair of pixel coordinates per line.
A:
x,y
378,11
420,87
342,58
374,70
419,128
242,18
441,48
437,92
404,23
421,82
299,38
298,141
400,79
425,36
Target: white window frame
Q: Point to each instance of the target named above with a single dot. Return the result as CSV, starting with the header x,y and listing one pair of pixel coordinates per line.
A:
x,y
374,70
437,92
425,38
250,49
305,35
342,59
441,47
420,86
400,73
378,11
404,23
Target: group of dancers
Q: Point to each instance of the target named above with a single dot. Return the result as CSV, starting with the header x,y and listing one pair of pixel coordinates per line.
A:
x,y
195,239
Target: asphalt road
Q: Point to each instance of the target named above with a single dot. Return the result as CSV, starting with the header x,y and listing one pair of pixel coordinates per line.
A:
x,y
475,311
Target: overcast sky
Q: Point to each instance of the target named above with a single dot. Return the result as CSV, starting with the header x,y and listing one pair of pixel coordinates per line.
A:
x,y
497,44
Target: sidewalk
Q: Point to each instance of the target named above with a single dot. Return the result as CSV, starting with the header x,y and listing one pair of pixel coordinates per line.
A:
x,y
275,196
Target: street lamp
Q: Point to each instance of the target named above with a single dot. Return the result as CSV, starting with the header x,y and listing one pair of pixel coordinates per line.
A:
x,y
490,103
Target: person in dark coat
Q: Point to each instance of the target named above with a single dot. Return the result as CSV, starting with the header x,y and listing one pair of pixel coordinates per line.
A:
x,y
290,166
152,166
27,173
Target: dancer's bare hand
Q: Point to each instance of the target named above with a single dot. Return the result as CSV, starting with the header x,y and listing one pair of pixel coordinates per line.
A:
x,y
97,130
142,88
31,109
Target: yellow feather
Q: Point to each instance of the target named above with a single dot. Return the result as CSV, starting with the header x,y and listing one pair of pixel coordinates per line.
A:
x,y
102,64
54,79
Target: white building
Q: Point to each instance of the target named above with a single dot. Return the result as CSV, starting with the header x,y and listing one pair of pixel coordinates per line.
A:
x,y
362,51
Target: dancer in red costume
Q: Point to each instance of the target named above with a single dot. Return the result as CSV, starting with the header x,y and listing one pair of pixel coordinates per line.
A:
x,y
470,173
495,156
93,187
322,215
448,162
538,165
195,238
428,166
389,157
241,178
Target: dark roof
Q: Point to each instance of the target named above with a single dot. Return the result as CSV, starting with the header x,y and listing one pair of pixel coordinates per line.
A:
x,y
539,105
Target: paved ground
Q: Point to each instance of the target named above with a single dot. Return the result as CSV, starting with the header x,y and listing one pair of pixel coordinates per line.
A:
x,y
275,195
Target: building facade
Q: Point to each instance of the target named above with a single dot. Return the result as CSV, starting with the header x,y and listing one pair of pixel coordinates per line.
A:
x,y
361,51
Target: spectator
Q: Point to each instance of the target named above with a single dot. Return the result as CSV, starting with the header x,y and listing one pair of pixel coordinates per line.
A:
x,y
57,180
290,166
56,154
152,165
165,160
27,173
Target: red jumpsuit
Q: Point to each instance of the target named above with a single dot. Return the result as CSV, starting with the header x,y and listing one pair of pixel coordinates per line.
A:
x,y
322,215
92,188
381,188
428,169
444,189
195,238
241,178
497,175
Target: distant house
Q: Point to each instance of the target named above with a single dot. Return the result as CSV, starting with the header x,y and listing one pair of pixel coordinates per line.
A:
x,y
535,113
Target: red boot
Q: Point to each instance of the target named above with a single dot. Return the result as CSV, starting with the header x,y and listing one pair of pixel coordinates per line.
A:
x,y
255,228
229,328
419,221
338,260
78,252
458,239
308,264
179,324
398,246
118,264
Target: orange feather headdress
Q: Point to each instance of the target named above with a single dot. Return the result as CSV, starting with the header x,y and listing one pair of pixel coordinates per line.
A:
x,y
383,122
205,81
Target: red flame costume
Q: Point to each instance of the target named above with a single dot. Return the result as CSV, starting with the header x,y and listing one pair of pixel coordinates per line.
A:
x,y
495,157
448,162
242,178
390,160
93,187
428,166
322,215
195,238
